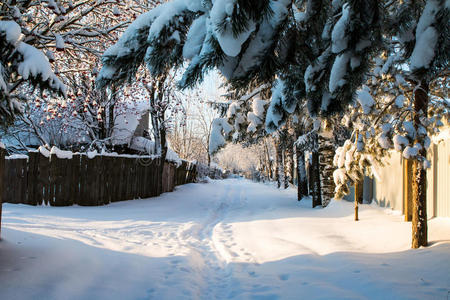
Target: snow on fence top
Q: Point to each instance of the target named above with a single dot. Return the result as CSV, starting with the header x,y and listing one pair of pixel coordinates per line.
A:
x,y
17,156
61,154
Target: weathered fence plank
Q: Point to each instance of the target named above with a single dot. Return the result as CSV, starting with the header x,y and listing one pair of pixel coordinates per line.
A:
x,y
2,186
33,173
74,184
85,181
82,200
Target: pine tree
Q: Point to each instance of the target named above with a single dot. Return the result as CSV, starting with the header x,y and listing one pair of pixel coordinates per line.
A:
x,y
394,110
21,63
316,52
429,58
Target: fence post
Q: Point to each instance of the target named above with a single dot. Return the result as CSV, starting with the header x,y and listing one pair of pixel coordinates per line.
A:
x,y
82,180
2,175
74,185
121,179
128,172
107,176
59,185
52,178
43,183
407,189
32,180
87,181
22,174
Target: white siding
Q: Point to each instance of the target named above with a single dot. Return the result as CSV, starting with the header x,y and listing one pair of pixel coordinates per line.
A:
x,y
438,189
388,192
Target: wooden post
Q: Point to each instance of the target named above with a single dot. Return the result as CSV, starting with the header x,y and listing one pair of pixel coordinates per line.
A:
x,y
302,181
22,176
52,173
96,187
82,180
110,172
75,184
128,172
101,181
2,175
121,179
419,187
33,175
316,186
42,179
407,189
358,196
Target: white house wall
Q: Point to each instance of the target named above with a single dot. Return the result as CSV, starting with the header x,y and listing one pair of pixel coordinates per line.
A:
x,y
389,191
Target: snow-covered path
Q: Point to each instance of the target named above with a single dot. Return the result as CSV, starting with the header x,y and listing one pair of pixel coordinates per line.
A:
x,y
230,239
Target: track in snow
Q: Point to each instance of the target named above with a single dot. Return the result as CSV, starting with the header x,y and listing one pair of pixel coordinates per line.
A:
x,y
229,239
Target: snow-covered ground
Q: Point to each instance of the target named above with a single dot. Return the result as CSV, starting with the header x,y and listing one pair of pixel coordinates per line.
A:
x,y
230,239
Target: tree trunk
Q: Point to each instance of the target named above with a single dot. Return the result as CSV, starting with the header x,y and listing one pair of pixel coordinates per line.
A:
x,y
162,135
310,176
289,161
269,162
315,169
156,133
327,151
358,197
316,190
286,167
359,191
111,117
279,167
419,189
2,172
302,181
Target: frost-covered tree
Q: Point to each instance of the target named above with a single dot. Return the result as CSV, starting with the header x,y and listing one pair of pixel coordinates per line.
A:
x,y
315,52
190,134
21,65
430,57
401,103
240,38
72,34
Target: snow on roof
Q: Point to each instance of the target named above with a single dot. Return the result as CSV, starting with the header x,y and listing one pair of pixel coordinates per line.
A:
x,y
126,122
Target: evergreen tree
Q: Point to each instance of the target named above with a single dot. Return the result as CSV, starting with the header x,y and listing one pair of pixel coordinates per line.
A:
x,y
398,108
315,52
19,63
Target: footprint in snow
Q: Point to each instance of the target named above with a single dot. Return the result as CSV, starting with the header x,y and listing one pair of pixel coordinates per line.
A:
x,y
283,277
186,270
424,282
265,297
260,289
252,274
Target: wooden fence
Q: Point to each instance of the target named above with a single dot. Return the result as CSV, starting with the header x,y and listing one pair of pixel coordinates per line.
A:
x,y
81,180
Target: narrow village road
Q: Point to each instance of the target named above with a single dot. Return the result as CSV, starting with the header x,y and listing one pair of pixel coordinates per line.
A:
x,y
229,239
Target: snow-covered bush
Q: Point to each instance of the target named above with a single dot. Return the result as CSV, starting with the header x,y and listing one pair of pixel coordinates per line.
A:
x,y
21,60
